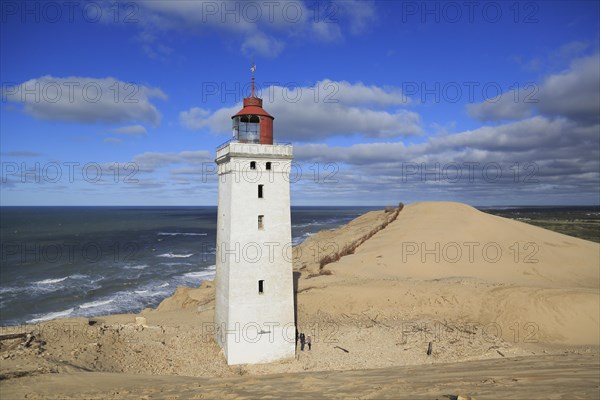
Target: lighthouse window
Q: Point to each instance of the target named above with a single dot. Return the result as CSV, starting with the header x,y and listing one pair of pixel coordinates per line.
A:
x,y
268,165
261,222
252,164
246,128
260,191
261,287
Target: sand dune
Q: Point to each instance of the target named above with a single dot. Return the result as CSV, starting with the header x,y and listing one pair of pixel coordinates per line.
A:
x,y
513,292
445,240
532,282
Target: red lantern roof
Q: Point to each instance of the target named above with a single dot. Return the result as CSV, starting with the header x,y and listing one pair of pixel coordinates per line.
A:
x,y
253,106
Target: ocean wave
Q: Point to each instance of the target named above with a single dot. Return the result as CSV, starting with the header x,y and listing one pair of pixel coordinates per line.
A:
x,y
53,315
140,291
181,234
164,285
96,303
171,255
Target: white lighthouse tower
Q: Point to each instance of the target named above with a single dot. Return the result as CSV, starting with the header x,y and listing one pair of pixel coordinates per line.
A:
x,y
254,312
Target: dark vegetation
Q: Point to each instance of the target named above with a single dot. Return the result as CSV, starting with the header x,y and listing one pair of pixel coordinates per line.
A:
x,y
579,221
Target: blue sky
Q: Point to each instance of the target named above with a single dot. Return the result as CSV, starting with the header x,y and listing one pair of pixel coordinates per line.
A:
x,y
124,103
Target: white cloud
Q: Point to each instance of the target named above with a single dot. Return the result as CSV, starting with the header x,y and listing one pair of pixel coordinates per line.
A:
x,y
313,121
556,161
361,14
326,32
132,130
261,27
86,100
555,58
150,161
573,93
327,109
359,93
262,44
195,118
536,137
570,50
539,159
510,105
224,15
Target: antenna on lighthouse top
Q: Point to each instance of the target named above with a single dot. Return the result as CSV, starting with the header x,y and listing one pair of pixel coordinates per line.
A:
x,y
253,69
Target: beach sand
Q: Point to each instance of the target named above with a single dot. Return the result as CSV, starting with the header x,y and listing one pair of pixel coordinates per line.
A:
x,y
510,310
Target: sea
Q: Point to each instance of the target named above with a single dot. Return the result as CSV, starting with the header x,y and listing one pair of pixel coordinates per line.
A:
x,y
87,261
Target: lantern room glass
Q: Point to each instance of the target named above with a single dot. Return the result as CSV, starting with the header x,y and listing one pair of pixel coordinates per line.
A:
x,y
246,128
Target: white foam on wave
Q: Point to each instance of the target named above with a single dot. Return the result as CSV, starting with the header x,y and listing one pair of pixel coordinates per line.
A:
x,y
299,239
54,284
171,255
8,289
327,221
96,303
151,293
174,264
142,266
181,234
164,285
50,281
49,316
307,224
160,294
199,274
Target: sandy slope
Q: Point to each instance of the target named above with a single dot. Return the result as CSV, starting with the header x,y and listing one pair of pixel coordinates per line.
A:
x,y
384,304
569,376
